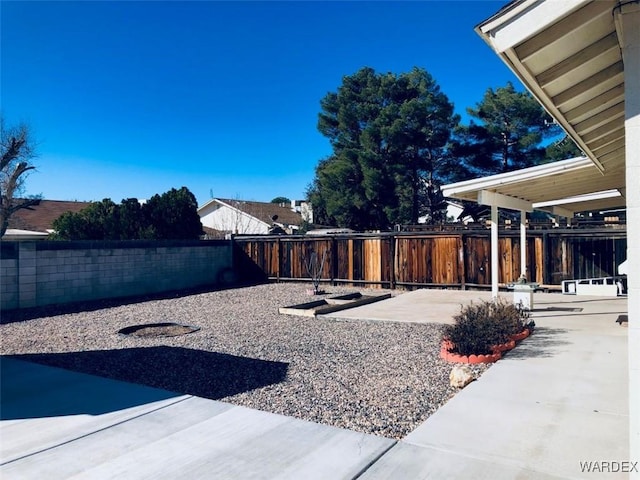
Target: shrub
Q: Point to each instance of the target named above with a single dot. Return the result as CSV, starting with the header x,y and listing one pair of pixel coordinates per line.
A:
x,y
480,326
512,317
170,216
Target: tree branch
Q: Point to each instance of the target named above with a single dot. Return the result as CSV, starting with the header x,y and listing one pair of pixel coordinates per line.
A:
x,y
13,151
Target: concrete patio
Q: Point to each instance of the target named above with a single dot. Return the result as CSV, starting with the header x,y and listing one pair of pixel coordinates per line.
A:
x,y
555,404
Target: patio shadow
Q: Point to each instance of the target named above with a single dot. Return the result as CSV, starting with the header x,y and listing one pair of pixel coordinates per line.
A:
x,y
558,309
174,369
540,344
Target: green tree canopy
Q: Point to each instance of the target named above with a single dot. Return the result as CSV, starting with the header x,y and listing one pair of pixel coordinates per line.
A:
x,y
98,221
173,215
562,149
387,132
280,200
170,216
510,134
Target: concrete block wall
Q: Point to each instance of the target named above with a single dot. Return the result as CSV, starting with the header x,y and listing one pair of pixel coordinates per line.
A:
x,y
45,273
9,274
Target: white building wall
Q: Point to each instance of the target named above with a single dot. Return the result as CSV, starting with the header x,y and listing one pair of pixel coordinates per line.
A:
x,y
304,208
629,35
227,219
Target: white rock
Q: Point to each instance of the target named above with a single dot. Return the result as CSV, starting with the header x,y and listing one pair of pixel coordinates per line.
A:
x,y
460,376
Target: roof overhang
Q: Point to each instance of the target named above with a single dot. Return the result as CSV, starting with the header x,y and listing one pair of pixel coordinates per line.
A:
x,y
15,234
567,54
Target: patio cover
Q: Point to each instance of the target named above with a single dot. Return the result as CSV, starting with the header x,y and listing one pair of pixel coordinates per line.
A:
x,y
561,188
581,60
567,53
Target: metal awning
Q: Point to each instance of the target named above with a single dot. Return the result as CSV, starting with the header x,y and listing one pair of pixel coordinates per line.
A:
x,y
560,184
581,60
568,55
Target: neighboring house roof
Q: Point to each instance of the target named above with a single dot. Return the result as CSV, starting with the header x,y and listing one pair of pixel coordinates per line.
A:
x,y
262,211
40,217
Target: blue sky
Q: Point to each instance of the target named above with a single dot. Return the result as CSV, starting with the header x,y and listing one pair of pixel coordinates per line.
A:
x,y
129,99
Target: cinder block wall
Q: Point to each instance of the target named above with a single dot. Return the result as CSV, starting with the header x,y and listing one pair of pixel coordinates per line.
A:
x,y
8,274
44,273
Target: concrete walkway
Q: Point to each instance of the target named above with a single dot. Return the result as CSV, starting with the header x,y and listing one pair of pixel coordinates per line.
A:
x,y
551,407
418,306
58,424
557,402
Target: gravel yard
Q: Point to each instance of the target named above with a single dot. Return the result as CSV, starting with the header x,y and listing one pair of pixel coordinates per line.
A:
x,y
383,378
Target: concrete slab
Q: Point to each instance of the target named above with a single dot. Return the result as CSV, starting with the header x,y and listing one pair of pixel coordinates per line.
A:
x,y
417,306
43,407
440,306
556,402
99,428
406,461
551,438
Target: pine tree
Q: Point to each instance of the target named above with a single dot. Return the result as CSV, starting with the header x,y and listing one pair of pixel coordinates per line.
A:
x,y
388,133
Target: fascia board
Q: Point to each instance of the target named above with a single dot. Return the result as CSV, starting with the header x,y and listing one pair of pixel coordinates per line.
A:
x,y
503,32
495,181
203,207
506,31
579,198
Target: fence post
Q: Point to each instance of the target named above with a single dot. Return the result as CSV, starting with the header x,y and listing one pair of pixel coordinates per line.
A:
x,y
334,260
392,262
234,266
278,249
462,269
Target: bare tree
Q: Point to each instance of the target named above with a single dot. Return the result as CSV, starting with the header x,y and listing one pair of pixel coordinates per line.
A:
x,y
315,266
242,223
245,222
15,165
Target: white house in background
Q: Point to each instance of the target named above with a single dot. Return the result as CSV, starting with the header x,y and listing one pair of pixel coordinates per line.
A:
x,y
454,210
253,218
303,208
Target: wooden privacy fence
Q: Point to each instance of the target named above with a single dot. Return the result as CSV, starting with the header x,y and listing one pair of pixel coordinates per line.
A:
x,y
436,259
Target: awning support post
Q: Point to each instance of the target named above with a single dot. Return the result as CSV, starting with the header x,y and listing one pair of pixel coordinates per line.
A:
x,y
494,251
523,244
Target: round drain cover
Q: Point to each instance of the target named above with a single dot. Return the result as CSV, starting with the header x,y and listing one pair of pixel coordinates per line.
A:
x,y
167,329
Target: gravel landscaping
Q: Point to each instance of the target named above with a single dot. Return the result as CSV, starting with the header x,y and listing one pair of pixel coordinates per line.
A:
x,y
383,378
